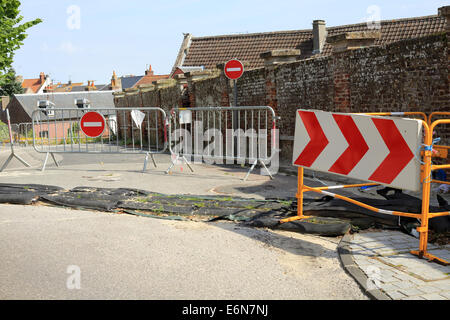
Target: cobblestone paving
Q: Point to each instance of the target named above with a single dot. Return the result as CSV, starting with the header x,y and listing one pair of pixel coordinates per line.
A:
x,y
385,259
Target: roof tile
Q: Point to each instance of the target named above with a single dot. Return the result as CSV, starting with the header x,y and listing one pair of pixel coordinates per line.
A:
x,y
211,50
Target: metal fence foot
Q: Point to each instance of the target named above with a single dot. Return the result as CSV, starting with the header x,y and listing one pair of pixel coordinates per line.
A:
x,y
145,162
7,162
264,165
13,155
54,159
251,169
188,163
26,164
153,159
172,164
45,162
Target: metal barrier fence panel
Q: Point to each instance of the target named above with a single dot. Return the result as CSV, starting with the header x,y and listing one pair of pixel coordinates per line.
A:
x,y
25,133
11,143
223,135
127,130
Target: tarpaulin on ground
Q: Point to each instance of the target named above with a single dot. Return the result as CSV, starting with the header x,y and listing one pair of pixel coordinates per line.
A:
x,y
331,216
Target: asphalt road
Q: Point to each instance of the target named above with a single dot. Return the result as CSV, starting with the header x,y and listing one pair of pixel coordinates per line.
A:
x,y
129,257
46,252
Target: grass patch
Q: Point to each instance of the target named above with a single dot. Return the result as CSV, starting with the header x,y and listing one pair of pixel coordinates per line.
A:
x,y
199,204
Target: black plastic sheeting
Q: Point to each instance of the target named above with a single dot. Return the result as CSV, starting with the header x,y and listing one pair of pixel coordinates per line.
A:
x,y
331,216
24,193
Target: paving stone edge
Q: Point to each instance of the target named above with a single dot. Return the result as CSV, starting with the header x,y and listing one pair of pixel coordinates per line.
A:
x,y
353,270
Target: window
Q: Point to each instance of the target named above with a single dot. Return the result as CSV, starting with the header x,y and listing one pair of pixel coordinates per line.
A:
x,y
43,134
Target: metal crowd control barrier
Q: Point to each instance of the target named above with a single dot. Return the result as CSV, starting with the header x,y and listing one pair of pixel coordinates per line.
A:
x,y
25,132
426,168
241,134
15,132
127,131
11,141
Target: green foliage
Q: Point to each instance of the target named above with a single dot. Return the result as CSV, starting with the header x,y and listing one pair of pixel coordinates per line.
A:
x,y
4,133
12,34
73,130
9,85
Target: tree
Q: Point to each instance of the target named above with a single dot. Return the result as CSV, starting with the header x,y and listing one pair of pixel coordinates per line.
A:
x,y
12,34
10,85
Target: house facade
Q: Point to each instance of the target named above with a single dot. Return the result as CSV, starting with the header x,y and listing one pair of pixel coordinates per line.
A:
x,y
22,106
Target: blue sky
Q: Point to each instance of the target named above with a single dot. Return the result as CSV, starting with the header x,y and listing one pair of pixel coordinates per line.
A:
x,y
125,36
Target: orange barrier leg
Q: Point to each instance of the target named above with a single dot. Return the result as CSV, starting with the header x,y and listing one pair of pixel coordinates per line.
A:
x,y
426,185
300,190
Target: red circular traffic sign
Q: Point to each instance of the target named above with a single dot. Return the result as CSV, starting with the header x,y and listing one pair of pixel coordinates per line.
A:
x,y
234,69
92,124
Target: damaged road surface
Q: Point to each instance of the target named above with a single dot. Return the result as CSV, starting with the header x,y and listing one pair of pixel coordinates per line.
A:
x,y
330,217
103,238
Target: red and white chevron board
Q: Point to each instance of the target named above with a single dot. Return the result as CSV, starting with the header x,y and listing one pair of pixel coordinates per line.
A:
x,y
377,149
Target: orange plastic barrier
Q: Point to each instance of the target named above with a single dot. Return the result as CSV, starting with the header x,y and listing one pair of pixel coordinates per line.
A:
x,y
426,169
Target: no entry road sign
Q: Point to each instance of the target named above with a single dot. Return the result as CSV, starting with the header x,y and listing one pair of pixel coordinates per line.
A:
x,y
92,124
377,149
234,69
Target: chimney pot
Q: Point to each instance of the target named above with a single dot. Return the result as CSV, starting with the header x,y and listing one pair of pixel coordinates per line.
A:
x,y
149,72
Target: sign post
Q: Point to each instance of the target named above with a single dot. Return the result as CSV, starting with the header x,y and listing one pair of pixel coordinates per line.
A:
x,y
233,70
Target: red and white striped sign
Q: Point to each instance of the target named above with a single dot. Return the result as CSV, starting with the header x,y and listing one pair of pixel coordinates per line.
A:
x,y
377,149
92,124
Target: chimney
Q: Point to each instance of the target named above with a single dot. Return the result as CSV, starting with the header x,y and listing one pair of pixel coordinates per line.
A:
x,y
149,72
278,56
90,86
353,40
445,12
319,36
116,83
42,77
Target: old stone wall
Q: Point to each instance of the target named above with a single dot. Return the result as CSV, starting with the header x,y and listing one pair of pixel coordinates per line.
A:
x,y
410,75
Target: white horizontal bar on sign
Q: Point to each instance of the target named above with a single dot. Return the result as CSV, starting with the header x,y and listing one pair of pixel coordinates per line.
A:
x,y
92,124
234,69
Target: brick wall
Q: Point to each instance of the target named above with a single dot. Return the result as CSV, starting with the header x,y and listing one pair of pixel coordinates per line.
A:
x,y
214,91
252,88
304,84
410,75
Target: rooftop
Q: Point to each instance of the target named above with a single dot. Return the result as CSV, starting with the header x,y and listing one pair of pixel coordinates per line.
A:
x,y
210,50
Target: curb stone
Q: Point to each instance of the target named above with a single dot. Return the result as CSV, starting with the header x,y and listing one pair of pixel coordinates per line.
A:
x,y
352,269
